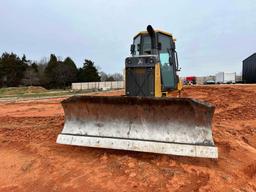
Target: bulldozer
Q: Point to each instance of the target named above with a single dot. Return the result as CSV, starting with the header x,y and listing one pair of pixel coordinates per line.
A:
x,y
146,118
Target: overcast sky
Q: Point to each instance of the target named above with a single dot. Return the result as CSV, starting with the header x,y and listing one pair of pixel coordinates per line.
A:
x,y
212,36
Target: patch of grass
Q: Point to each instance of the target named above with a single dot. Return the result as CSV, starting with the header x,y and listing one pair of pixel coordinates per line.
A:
x,y
21,90
37,92
30,92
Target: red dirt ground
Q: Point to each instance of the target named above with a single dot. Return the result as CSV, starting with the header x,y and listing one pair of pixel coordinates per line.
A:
x,y
32,161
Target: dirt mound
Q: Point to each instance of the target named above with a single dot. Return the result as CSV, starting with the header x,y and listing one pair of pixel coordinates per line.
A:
x,y
32,161
21,90
36,89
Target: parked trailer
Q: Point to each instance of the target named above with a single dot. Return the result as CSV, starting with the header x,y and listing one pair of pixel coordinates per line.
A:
x,y
249,69
222,77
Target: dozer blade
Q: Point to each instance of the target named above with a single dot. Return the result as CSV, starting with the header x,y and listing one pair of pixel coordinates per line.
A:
x,y
178,126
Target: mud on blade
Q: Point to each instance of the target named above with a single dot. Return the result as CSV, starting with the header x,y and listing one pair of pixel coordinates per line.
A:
x,y
178,126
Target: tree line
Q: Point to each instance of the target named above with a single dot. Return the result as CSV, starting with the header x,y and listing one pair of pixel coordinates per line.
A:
x,y
49,73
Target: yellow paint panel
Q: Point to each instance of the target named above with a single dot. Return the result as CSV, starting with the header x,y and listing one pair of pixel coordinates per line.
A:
x,y
158,91
180,85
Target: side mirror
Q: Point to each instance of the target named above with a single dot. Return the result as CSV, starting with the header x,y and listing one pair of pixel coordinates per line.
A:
x,y
159,46
170,60
132,49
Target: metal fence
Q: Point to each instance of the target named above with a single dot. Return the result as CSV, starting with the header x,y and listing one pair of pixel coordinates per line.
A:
x,y
106,85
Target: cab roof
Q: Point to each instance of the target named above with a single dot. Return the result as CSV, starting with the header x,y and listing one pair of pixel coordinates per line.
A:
x,y
157,31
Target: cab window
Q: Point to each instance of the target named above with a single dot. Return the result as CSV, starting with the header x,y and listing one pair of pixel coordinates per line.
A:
x,y
165,42
136,42
146,49
167,70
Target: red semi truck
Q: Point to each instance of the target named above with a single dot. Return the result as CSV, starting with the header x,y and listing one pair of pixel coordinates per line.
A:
x,y
191,80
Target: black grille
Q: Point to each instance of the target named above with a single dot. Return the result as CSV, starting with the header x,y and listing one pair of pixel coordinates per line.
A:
x,y
140,81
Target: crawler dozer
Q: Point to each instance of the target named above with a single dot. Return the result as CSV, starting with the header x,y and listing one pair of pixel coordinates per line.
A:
x,y
146,118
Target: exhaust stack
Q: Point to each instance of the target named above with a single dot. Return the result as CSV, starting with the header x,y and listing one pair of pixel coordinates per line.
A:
x,y
152,35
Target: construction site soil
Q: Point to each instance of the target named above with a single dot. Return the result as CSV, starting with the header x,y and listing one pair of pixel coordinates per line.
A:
x,y
30,160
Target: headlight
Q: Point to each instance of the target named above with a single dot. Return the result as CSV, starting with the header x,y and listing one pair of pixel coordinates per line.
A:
x,y
129,61
151,60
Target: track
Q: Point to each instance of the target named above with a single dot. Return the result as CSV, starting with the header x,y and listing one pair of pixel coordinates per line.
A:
x,y
32,161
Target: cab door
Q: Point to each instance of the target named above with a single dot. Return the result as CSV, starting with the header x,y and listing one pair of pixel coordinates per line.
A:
x,y
167,63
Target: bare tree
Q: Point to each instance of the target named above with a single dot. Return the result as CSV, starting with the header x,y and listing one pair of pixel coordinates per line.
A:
x,y
103,76
42,64
118,77
30,77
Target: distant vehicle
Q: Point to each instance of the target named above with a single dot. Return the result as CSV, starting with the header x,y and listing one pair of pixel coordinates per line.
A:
x,y
191,80
225,78
209,82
